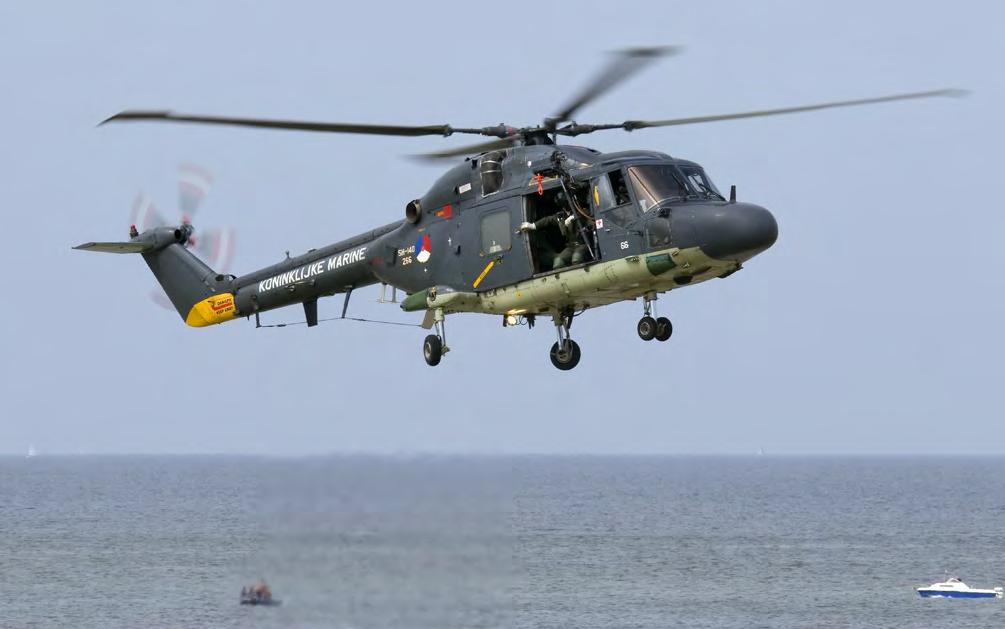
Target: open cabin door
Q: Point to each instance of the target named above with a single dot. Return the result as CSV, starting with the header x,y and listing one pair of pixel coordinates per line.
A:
x,y
495,255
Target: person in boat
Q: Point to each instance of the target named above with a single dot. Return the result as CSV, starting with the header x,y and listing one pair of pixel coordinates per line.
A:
x,y
262,591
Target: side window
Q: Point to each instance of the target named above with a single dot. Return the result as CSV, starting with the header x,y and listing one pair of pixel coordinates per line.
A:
x,y
620,188
658,233
610,196
602,196
496,232
609,190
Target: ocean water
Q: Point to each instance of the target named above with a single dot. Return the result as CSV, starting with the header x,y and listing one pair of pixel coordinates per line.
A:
x,y
563,542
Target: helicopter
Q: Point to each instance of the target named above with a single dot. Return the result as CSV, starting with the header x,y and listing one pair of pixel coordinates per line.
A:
x,y
523,227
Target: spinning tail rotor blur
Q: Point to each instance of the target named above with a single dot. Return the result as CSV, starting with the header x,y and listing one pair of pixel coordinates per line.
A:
x,y
213,246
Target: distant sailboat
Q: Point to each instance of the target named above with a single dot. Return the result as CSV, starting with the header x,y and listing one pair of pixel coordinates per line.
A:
x,y
31,451
760,452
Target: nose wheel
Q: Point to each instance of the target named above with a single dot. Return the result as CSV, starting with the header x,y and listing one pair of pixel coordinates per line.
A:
x,y
664,329
646,328
565,354
650,328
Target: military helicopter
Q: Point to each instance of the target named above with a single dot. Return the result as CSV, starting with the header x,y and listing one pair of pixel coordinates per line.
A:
x,y
523,227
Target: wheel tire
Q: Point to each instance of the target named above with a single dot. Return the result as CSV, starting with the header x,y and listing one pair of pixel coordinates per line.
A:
x,y
567,359
647,328
432,350
664,329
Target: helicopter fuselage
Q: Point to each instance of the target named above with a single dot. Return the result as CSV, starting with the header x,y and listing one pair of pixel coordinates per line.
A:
x,y
460,250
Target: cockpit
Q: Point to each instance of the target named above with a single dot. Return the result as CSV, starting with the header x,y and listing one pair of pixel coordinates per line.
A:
x,y
658,183
653,185
632,205
627,205
623,196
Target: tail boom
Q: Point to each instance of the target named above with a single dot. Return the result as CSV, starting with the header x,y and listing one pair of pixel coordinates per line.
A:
x,y
200,295
203,297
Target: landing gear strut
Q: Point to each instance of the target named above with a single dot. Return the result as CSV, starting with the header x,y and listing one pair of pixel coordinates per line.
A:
x,y
650,328
435,345
565,353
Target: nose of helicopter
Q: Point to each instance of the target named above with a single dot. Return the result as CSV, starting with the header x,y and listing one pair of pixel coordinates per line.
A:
x,y
735,231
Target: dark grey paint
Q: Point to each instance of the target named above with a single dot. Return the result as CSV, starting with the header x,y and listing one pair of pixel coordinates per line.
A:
x,y
723,230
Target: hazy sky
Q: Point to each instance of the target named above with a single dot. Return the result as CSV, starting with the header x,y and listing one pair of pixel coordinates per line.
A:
x,y
872,326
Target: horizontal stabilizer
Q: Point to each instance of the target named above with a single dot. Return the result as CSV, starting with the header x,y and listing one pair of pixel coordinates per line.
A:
x,y
115,247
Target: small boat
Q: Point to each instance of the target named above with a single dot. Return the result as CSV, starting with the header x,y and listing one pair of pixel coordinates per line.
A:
x,y
32,453
954,588
258,594
256,600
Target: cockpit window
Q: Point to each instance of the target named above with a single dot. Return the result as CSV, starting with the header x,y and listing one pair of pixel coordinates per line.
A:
x,y
620,188
610,199
655,184
609,191
603,196
700,182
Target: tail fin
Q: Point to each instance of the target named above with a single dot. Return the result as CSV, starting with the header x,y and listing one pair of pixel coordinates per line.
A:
x,y
198,293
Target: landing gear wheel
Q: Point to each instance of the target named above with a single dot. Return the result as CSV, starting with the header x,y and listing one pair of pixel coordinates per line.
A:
x,y
647,328
663,329
567,357
432,350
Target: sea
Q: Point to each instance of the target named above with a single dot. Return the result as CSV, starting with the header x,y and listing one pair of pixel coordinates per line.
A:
x,y
570,542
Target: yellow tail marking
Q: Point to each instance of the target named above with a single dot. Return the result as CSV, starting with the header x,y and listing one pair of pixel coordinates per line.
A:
x,y
212,310
481,276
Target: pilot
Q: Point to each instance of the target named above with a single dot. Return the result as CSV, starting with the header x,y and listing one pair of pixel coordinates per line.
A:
x,y
575,250
621,193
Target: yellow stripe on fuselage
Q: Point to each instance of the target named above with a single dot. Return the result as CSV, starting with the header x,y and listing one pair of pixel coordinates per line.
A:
x,y
481,276
212,310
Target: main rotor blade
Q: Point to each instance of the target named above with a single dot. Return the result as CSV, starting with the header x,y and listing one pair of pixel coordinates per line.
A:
x,y
294,125
631,125
624,64
471,149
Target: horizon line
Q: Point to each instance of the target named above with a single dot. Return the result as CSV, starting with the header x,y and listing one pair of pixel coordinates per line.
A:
x,y
504,454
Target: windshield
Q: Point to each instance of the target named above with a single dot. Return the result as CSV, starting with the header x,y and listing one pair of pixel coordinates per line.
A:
x,y
655,184
700,181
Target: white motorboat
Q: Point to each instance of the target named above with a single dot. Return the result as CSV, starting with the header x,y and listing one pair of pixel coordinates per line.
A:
x,y
954,588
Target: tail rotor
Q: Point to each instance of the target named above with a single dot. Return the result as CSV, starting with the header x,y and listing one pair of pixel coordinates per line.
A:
x,y
214,246
194,183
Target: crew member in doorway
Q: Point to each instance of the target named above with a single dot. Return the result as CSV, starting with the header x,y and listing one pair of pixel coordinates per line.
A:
x,y
575,251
